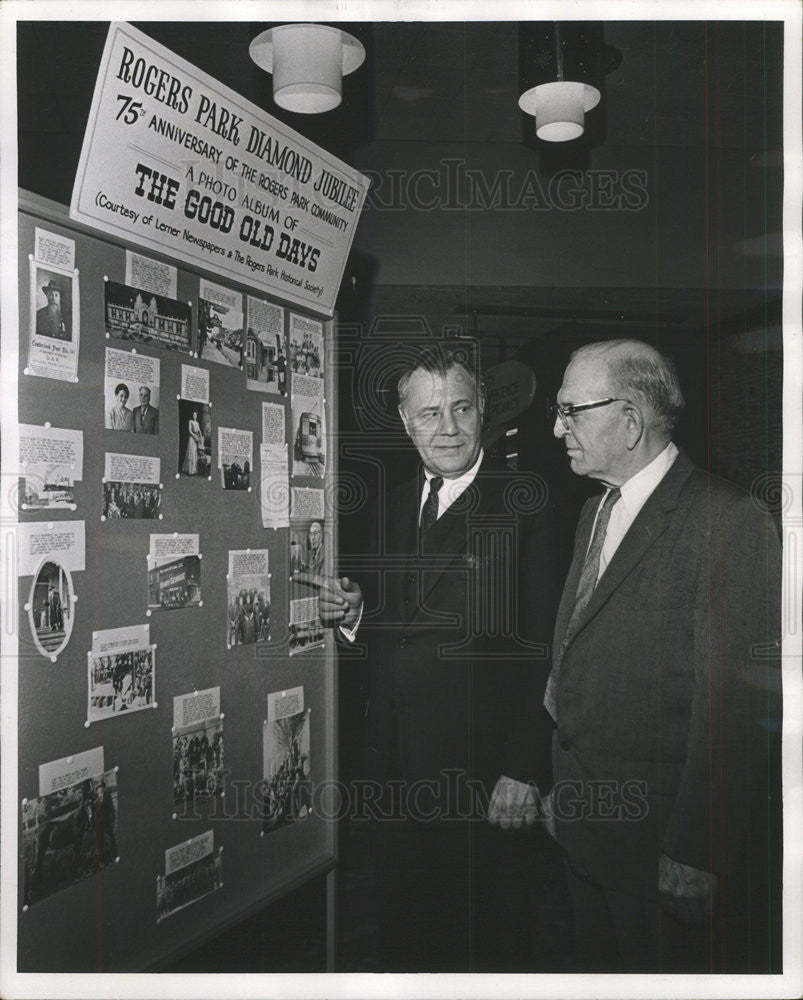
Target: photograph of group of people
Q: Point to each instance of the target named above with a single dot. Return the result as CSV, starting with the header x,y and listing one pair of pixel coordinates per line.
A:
x,y
122,682
305,354
188,884
198,760
248,617
131,500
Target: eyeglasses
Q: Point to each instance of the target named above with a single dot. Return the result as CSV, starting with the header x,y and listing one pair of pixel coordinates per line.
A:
x,y
568,411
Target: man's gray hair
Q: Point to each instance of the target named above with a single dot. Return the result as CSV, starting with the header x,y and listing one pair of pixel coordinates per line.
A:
x,y
439,359
638,369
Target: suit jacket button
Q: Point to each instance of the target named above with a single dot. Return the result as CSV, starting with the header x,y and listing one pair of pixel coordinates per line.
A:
x,y
402,644
564,744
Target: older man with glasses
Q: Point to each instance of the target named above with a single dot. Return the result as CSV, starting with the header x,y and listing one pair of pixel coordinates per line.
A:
x,y
665,642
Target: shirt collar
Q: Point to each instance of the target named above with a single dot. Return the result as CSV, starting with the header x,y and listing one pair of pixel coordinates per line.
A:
x,y
452,488
638,488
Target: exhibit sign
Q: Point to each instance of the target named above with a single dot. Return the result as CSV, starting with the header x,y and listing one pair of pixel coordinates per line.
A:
x,y
177,162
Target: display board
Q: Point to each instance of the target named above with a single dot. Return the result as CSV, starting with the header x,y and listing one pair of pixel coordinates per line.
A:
x,y
176,692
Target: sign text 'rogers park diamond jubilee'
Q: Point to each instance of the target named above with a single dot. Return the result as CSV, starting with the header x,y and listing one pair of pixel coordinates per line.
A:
x,y
175,161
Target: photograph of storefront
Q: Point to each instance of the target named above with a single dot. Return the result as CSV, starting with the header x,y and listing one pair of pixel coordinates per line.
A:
x,y
176,584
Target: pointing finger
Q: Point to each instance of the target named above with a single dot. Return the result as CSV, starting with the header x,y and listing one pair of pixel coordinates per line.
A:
x,y
311,579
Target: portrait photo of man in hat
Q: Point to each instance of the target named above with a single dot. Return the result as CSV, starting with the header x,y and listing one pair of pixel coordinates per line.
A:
x,y
53,319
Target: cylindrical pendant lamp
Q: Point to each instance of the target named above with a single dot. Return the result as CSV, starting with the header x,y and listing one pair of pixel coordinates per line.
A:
x,y
560,75
308,62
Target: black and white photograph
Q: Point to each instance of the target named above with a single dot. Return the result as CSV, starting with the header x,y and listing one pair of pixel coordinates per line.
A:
x,y
51,461
138,315
131,392
220,325
235,457
307,555
54,304
51,608
265,354
287,786
309,426
305,346
124,500
248,593
53,337
131,487
69,835
54,487
174,572
194,870
120,683
194,438
197,761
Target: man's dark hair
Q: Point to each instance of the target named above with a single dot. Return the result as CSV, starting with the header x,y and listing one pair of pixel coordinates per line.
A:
x,y
439,359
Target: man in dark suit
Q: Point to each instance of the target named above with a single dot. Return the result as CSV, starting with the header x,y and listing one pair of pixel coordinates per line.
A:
x,y
662,678
146,417
457,626
49,319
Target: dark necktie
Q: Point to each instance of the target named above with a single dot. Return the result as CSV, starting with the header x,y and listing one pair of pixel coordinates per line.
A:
x,y
585,590
429,514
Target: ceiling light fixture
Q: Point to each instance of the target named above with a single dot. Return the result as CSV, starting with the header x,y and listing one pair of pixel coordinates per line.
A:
x,y
560,71
308,62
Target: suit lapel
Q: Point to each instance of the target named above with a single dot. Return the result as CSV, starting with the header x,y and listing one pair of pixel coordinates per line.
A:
x,y
401,540
446,539
649,525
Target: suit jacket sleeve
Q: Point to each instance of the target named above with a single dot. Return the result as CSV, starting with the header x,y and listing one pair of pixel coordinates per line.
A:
x,y
543,561
736,705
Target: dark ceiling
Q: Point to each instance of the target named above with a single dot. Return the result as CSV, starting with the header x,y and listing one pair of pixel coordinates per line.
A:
x,y
685,91
450,82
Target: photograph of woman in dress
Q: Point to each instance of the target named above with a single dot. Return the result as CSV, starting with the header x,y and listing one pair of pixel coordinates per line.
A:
x,y
119,417
194,442
195,438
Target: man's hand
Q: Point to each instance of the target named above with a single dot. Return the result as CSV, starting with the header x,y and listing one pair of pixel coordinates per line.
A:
x,y
687,893
513,804
339,599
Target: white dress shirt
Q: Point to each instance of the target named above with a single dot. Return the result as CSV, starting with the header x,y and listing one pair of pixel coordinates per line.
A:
x,y
451,489
634,494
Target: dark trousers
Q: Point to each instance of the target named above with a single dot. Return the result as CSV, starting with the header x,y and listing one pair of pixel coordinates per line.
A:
x,y
617,932
464,896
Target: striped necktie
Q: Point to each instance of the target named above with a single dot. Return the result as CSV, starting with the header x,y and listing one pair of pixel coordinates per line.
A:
x,y
429,514
585,590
